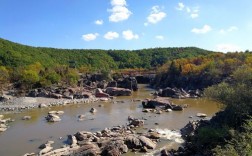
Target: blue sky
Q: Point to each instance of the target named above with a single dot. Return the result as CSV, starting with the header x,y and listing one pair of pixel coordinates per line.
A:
x,y
128,24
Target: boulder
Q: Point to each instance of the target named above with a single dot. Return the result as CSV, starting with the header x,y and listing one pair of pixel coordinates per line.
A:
x,y
201,115
136,122
3,99
113,91
99,93
159,112
93,110
52,118
189,129
33,93
133,142
112,84
2,129
83,135
1,117
52,112
146,110
102,84
46,147
114,148
82,95
56,96
81,117
42,105
71,140
88,149
177,108
147,142
159,102
154,135
26,118
128,82
48,143
60,112
174,93
43,93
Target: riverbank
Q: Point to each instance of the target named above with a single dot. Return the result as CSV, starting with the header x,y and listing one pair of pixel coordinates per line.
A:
x,y
17,104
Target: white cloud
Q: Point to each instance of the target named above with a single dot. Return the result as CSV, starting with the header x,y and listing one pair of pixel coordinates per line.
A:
x,y
159,37
146,24
99,22
203,30
111,35
129,35
118,2
194,15
90,37
193,12
156,15
228,48
230,29
180,6
119,11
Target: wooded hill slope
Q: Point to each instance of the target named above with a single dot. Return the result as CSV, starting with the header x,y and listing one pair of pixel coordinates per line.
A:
x,y
14,55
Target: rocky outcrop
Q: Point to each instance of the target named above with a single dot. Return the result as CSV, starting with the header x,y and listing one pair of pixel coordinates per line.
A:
x,y
112,84
58,93
128,82
147,142
100,94
114,147
112,141
113,91
178,93
160,103
157,102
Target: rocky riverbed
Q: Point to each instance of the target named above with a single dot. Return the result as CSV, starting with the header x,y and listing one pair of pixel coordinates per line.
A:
x,y
34,129
112,141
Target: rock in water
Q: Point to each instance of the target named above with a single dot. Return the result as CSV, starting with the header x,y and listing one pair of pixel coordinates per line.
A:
x,y
52,118
147,142
93,110
26,118
201,115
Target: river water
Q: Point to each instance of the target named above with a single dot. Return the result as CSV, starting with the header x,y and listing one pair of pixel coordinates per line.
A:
x,y
26,136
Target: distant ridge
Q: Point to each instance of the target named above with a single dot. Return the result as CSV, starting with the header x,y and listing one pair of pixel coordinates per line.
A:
x,y
15,54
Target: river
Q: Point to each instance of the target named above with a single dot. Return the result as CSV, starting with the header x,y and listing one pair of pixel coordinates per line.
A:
x,y
26,136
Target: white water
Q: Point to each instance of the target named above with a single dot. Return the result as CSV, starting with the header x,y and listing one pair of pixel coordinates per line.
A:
x,y
171,135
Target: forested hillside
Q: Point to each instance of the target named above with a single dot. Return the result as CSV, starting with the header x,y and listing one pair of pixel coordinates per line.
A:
x,y
202,71
14,55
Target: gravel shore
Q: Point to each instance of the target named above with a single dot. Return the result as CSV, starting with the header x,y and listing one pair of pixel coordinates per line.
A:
x,y
16,104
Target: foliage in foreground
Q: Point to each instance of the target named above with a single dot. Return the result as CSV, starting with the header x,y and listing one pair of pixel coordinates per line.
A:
x,y
230,131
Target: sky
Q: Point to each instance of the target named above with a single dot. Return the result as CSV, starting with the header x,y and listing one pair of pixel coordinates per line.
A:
x,y
128,24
